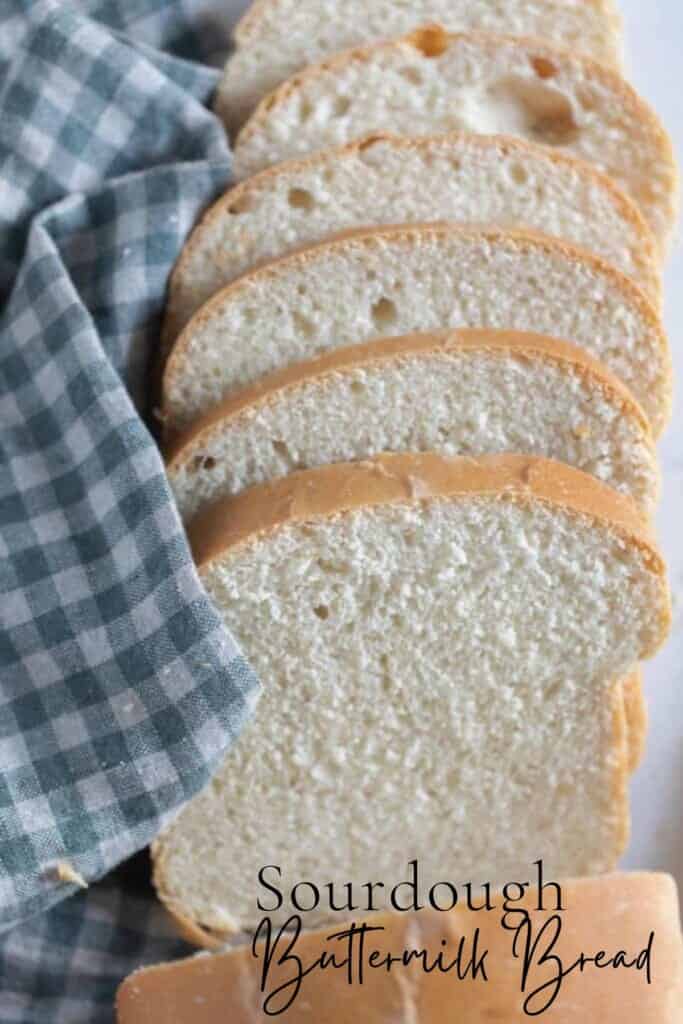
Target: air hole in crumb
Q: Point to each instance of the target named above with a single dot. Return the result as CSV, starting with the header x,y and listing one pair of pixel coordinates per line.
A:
x,y
204,462
322,611
342,105
357,387
303,325
282,449
456,165
386,673
540,109
556,130
413,75
587,99
306,111
519,174
300,199
384,313
543,67
240,205
431,41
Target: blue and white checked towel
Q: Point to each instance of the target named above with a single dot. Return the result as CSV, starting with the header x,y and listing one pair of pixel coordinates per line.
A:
x,y
119,688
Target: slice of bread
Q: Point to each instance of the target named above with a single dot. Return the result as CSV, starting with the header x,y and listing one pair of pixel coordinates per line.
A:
x,y
465,178
460,393
277,38
437,639
618,912
398,280
430,82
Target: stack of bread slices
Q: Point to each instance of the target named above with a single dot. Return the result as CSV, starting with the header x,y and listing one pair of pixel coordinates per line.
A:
x,y
414,373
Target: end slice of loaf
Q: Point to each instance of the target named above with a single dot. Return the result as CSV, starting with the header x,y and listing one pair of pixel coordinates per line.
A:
x,y
399,280
430,82
438,640
277,38
611,913
459,393
464,178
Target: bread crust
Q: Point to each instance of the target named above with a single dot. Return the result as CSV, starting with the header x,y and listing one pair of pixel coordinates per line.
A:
x,y
396,479
423,38
516,344
637,717
361,237
614,911
248,26
648,262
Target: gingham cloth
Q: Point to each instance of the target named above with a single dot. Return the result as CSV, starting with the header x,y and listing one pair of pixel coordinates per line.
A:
x,y
119,688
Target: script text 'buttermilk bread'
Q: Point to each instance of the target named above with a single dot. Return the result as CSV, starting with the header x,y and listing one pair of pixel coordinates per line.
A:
x,y
277,38
459,393
430,82
615,913
397,280
438,641
464,178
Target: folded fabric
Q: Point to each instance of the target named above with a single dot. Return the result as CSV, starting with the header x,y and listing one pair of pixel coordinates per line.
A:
x,y
119,688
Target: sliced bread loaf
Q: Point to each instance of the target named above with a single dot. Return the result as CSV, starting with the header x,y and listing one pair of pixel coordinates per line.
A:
x,y
614,913
465,178
397,280
277,38
431,82
461,393
437,639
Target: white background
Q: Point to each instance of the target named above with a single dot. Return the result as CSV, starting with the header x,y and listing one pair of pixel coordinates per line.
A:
x,y
654,39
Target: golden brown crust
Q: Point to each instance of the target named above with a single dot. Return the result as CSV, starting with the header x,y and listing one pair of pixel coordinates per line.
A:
x,y
517,344
635,707
628,98
613,912
247,28
649,262
346,240
410,478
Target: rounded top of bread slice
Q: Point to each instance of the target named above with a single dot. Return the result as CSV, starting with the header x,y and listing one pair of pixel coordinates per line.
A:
x,y
455,392
277,38
397,280
431,81
461,622
407,478
464,178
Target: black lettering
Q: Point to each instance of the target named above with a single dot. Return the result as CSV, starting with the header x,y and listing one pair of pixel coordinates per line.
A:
x,y
349,905
314,891
542,886
271,888
410,884
486,890
453,894
371,886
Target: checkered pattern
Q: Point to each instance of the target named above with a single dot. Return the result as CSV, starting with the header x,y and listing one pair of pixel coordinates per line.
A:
x,y
119,688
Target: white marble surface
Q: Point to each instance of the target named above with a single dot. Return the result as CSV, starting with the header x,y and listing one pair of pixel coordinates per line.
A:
x,y
654,31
